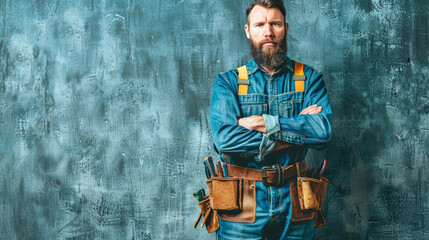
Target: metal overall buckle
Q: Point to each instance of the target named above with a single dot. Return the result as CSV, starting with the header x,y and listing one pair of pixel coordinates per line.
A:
x,y
279,173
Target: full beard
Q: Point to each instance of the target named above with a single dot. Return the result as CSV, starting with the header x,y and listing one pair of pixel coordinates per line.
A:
x,y
271,56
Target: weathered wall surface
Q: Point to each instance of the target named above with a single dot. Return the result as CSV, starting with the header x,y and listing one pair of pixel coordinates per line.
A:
x,y
104,111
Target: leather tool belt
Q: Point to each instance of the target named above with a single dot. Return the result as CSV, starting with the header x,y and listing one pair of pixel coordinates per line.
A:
x,y
233,198
306,193
270,176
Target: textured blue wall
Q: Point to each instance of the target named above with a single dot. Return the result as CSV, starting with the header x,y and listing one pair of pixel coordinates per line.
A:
x,y
104,111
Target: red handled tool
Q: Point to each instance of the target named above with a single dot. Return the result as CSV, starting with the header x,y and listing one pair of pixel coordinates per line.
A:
x,y
322,168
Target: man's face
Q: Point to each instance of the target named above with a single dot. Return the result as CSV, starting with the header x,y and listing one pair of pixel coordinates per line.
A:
x,y
267,31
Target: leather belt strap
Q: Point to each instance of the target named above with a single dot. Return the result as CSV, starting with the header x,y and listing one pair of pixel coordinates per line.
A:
x,y
255,174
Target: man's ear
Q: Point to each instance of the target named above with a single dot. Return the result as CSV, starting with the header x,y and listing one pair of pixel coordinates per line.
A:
x,y
286,28
246,29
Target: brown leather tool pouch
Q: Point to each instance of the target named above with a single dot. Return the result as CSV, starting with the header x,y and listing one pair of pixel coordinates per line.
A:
x,y
234,199
209,215
311,192
307,198
225,193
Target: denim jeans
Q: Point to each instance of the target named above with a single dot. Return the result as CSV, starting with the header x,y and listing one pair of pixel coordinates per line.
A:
x,y
273,214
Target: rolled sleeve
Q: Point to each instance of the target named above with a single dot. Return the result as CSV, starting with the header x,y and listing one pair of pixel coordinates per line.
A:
x,y
272,124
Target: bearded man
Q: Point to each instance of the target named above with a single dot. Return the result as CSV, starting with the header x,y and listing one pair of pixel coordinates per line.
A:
x,y
264,116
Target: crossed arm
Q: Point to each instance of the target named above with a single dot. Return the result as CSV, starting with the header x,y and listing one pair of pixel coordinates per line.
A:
x,y
257,123
262,134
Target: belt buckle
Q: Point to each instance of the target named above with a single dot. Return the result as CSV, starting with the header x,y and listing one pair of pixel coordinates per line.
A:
x,y
265,177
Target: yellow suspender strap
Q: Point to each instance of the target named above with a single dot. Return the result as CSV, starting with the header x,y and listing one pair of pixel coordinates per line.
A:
x,y
243,80
299,77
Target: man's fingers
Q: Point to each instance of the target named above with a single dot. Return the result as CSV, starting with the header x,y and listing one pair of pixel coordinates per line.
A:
x,y
308,109
316,110
313,109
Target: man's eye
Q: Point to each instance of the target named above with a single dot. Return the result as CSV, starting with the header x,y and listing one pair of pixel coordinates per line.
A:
x,y
258,25
275,24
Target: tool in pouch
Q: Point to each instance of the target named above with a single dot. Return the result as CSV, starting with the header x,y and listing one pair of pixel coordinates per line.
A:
x,y
209,216
307,194
232,198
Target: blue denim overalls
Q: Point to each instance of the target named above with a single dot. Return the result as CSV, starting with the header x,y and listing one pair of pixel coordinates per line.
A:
x,y
274,97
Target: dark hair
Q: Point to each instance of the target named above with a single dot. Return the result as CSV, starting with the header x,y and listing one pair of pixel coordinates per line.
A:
x,y
268,4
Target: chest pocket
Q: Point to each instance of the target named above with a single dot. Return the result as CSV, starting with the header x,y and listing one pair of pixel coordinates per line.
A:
x,y
286,108
253,104
290,104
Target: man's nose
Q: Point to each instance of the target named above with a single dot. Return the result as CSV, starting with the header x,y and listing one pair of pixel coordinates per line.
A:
x,y
268,31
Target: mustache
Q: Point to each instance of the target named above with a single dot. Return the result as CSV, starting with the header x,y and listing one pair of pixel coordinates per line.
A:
x,y
268,40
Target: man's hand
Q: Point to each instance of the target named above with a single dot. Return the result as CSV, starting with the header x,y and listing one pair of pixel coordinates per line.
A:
x,y
313,109
255,123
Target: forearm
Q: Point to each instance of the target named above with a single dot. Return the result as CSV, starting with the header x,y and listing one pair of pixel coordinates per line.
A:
x,y
234,138
309,130
237,139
